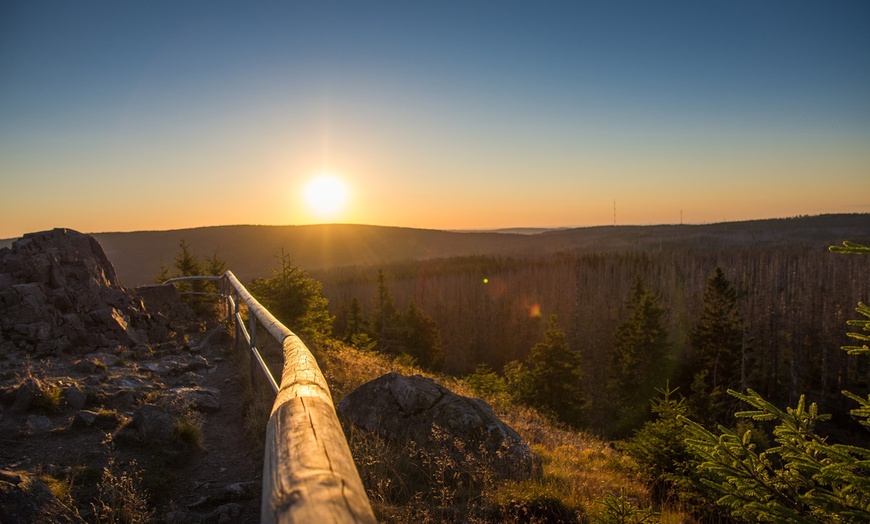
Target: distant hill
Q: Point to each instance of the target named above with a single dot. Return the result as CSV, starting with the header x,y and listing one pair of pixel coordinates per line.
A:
x,y
250,251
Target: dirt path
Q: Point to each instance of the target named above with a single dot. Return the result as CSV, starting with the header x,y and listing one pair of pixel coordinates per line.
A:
x,y
229,468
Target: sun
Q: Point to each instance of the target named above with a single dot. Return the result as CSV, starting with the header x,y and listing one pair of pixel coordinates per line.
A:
x,y
326,195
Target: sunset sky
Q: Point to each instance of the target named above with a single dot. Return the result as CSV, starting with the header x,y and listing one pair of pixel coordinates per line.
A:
x,y
122,115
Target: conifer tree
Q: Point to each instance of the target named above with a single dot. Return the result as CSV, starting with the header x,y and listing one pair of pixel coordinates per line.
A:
x,y
719,352
550,378
214,266
295,299
421,337
187,264
162,274
639,358
805,478
354,323
384,312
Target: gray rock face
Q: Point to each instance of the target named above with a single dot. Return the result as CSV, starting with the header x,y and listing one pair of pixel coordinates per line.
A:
x,y
59,292
400,408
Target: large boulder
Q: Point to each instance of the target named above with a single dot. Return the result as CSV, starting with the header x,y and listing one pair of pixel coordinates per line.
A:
x,y
59,292
401,408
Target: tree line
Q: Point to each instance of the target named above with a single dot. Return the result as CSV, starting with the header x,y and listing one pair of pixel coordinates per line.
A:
x,y
782,313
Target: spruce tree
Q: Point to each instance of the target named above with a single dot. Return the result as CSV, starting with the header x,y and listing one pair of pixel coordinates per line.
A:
x,y
354,323
718,349
214,266
639,358
421,337
187,264
384,312
295,299
550,378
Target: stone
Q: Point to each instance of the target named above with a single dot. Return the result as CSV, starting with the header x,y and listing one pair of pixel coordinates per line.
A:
x,y
204,400
190,379
10,477
102,419
401,408
60,293
163,299
182,517
38,423
84,418
225,513
212,338
153,423
75,397
29,500
25,394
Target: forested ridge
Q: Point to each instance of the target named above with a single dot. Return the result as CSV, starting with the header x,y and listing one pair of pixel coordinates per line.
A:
x,y
251,250
492,310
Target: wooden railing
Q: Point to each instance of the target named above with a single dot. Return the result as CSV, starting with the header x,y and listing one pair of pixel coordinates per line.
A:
x,y
308,471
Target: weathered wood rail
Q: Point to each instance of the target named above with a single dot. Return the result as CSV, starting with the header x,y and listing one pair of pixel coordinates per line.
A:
x,y
308,471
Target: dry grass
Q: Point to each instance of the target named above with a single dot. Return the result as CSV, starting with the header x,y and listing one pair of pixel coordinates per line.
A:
x,y
580,471
256,403
188,429
120,498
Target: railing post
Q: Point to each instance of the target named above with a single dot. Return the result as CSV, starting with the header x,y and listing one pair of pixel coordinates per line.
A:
x,y
238,326
228,291
252,331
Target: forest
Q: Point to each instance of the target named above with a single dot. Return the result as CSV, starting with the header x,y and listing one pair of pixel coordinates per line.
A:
x,y
791,308
727,378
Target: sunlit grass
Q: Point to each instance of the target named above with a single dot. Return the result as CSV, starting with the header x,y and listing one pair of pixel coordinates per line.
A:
x,y
579,470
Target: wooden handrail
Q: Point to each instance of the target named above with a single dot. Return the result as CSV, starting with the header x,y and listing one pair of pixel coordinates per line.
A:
x,y
308,471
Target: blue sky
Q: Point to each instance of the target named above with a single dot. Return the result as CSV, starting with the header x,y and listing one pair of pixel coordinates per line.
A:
x,y
146,115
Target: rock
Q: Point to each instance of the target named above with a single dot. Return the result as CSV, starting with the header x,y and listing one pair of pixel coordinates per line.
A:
x,y
195,363
75,397
163,299
153,423
204,400
224,514
212,338
25,394
241,491
190,379
401,408
10,477
60,293
131,382
182,517
84,419
106,419
30,501
38,423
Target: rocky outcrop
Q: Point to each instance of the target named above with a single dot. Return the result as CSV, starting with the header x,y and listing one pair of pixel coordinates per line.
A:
x,y
90,376
401,408
27,500
59,293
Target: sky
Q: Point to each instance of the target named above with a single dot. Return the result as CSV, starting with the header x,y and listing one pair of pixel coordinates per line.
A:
x,y
123,115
